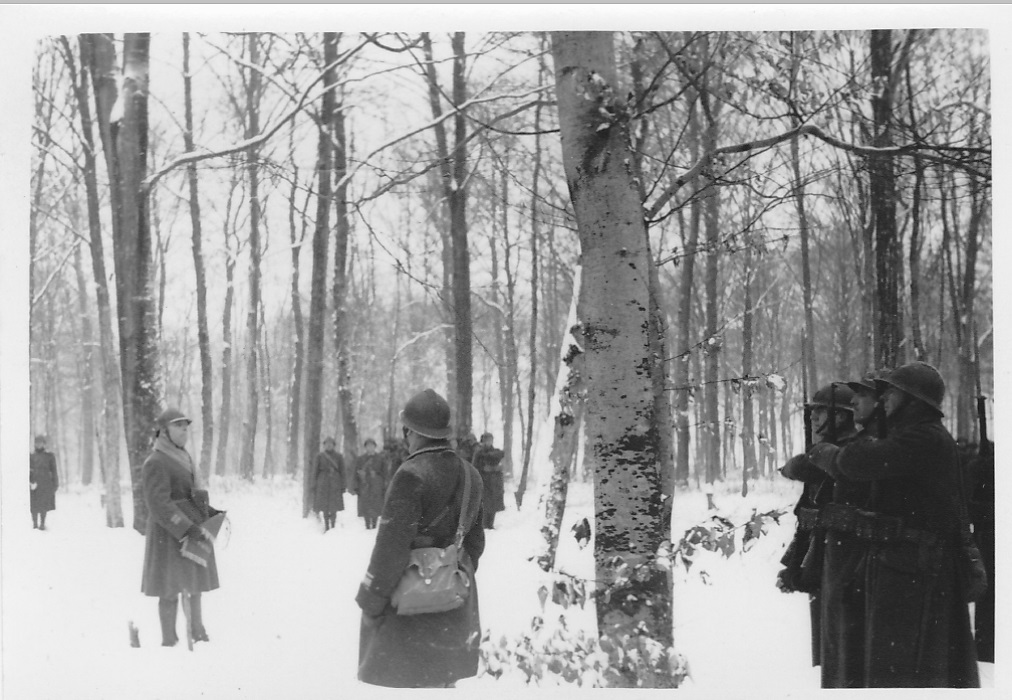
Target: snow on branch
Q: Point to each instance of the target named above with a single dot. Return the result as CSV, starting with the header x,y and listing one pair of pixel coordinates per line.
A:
x,y
919,149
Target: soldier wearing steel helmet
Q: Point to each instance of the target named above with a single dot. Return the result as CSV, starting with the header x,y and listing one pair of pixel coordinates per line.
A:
x,y
833,423
177,507
845,556
916,623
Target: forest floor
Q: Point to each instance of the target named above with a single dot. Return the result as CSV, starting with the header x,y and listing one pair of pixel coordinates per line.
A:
x,y
284,623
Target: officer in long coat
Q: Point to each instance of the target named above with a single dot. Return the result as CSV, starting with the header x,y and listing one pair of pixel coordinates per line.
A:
x,y
369,483
832,422
917,624
422,508
329,483
43,480
175,511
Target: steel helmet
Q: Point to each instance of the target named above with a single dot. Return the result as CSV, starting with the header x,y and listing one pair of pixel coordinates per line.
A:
x,y
835,395
867,382
920,380
428,414
171,415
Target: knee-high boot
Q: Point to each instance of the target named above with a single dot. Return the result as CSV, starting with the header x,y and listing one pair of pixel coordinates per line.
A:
x,y
197,619
167,616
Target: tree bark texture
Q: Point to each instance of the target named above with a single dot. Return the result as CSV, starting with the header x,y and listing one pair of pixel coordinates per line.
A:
x,y
318,283
621,425
203,335
567,410
128,129
249,432
888,258
342,327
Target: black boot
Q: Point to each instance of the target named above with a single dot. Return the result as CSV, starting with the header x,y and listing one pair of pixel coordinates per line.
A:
x,y
197,620
167,616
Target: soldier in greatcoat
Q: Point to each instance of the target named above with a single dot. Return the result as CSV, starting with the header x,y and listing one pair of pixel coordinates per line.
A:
x,y
369,483
916,620
329,483
43,480
175,510
841,593
832,422
487,460
422,509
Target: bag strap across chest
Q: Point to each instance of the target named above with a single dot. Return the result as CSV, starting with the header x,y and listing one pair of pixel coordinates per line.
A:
x,y
465,502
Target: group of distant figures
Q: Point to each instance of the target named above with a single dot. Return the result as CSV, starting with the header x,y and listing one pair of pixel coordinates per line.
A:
x,y
895,535
368,476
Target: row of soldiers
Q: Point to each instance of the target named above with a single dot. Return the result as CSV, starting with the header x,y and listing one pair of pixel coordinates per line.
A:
x,y
883,544
370,473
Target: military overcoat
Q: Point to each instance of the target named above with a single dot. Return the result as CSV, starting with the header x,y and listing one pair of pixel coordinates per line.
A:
x,y
43,473
168,490
435,649
916,624
329,482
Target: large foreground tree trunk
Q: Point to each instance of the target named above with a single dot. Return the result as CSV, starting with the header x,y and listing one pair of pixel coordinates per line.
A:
x,y
621,423
127,146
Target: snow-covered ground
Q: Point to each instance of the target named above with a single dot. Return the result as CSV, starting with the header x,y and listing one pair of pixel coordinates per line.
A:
x,y
284,623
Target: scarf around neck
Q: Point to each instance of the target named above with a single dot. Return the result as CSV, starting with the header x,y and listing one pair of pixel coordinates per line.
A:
x,y
176,453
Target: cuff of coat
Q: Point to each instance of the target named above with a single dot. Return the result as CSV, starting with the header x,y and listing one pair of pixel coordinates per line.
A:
x,y
371,603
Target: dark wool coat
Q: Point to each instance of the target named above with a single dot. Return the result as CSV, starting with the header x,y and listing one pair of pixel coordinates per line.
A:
x,y
42,472
982,515
369,480
842,591
429,650
487,461
805,555
916,625
329,484
168,488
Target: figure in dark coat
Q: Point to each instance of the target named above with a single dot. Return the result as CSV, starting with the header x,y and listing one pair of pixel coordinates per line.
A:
x,y
435,649
369,480
488,461
169,481
841,593
832,422
982,514
43,480
917,625
329,483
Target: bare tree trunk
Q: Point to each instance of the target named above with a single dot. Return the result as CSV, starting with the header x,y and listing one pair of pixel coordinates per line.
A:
x,y
747,426
341,273
203,335
266,384
509,327
132,257
499,335
87,458
684,322
318,299
567,409
225,412
888,260
621,425
295,390
249,432
109,447
532,347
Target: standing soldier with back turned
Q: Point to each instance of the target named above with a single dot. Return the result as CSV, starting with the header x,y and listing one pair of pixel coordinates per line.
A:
x,y
43,480
917,623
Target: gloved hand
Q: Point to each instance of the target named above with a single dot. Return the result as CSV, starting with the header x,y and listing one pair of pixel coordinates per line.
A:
x,y
787,580
823,455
